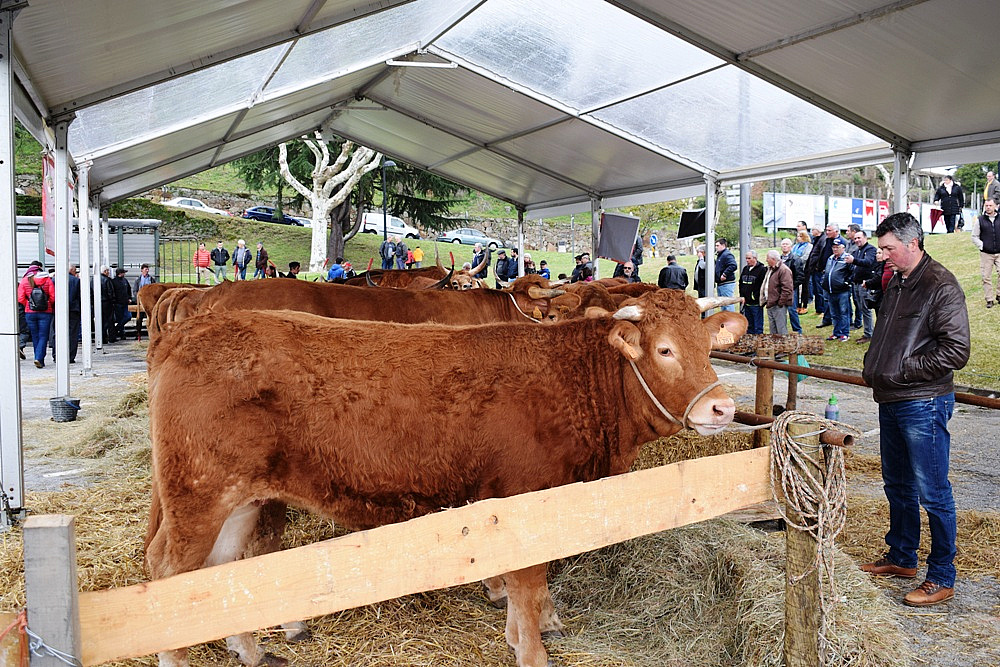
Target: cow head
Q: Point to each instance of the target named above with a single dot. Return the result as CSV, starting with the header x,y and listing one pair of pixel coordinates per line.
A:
x,y
662,336
533,295
466,278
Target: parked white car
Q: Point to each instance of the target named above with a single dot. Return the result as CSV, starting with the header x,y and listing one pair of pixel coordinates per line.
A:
x,y
194,205
373,222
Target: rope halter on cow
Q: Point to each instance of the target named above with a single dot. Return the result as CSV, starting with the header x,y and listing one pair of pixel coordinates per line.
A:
x,y
634,313
683,421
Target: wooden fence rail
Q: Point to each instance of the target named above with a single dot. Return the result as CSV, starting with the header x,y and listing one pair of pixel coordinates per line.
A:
x,y
439,550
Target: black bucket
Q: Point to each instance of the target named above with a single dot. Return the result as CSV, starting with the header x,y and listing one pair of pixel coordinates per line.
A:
x,y
64,409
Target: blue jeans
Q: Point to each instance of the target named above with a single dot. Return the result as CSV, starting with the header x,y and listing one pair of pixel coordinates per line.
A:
x,y
840,312
39,325
793,314
915,447
819,293
242,272
755,319
727,290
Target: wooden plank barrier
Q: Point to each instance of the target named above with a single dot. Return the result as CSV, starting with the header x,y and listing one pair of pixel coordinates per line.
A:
x,y
435,551
10,652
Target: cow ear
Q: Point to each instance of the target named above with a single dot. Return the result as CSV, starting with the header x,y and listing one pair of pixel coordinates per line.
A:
x,y
725,328
596,313
625,338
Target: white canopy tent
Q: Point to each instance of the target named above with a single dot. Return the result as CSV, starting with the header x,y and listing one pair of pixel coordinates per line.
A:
x,y
552,105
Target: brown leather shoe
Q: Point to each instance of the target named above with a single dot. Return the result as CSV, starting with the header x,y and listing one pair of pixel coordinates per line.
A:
x,y
884,567
863,340
928,593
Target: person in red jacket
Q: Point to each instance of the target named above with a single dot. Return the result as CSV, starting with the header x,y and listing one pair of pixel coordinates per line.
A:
x,y
38,307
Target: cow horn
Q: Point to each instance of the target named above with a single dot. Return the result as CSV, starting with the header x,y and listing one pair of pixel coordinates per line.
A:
x,y
368,278
443,283
483,264
707,303
632,313
536,292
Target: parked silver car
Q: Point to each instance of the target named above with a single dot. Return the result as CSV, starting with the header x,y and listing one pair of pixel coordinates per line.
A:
x,y
469,236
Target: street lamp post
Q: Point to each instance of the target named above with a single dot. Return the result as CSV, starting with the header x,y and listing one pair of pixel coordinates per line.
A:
x,y
385,207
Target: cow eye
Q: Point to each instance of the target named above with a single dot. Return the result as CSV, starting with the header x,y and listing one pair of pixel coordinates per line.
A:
x,y
665,352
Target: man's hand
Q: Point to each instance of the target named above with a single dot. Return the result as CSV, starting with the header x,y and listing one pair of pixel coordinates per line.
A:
x,y
849,259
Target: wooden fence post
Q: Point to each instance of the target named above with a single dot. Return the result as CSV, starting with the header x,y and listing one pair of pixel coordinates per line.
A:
x,y
802,598
764,400
793,391
50,585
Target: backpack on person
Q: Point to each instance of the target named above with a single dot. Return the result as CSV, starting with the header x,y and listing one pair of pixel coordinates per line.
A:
x,y
38,300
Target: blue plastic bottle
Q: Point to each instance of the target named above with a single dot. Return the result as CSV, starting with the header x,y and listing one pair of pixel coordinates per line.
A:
x,y
833,409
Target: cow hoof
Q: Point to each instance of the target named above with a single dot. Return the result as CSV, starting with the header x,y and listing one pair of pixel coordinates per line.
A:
x,y
553,634
499,604
271,660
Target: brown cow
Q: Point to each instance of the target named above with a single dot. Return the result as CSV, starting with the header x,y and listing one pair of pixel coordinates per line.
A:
x,y
310,389
396,277
148,295
175,305
479,306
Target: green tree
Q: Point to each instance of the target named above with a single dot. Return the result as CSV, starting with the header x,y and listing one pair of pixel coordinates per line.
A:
x,y
972,178
419,195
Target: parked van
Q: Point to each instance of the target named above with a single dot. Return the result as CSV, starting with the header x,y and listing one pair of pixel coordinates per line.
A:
x,y
373,221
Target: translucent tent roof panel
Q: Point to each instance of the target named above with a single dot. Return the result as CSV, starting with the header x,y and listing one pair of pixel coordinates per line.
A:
x,y
471,105
604,161
728,119
128,159
585,53
398,135
165,174
170,104
137,38
898,42
497,174
326,95
271,135
741,25
322,55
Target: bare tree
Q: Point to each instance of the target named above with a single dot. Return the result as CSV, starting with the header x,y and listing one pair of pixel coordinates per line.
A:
x,y
332,184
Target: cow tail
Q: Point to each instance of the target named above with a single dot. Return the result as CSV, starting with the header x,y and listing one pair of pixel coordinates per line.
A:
x,y
155,517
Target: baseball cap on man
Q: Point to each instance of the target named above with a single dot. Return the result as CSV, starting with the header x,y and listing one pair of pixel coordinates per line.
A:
x,y
120,271
839,241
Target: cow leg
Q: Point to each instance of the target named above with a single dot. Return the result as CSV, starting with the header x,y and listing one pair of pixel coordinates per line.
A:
x,y
249,531
548,620
267,539
496,591
527,593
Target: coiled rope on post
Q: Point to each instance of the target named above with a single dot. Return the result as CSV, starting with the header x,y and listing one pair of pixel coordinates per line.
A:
x,y
817,507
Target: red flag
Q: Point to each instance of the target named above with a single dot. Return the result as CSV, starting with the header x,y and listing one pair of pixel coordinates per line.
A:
x,y
936,214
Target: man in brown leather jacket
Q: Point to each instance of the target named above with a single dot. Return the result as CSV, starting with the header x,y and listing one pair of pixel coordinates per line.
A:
x,y
920,338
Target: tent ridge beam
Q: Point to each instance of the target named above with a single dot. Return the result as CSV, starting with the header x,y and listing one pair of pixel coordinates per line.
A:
x,y
714,48
833,26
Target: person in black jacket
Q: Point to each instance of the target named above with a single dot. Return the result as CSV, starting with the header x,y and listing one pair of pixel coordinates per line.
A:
x,y
725,271
220,258
673,276
751,279
862,260
986,237
952,199
699,274
74,313
501,270
123,297
478,255
109,330
816,265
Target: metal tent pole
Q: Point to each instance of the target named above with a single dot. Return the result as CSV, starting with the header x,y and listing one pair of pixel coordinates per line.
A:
x,y
11,453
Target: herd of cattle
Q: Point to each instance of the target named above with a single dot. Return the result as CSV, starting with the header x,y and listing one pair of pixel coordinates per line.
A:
x,y
379,401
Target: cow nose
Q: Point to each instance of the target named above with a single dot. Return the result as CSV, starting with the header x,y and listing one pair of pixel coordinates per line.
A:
x,y
724,408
